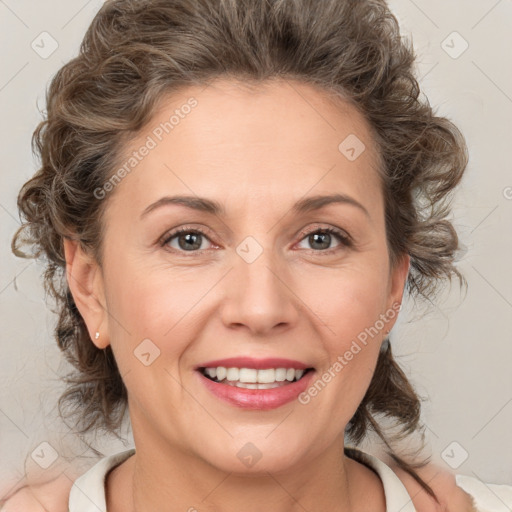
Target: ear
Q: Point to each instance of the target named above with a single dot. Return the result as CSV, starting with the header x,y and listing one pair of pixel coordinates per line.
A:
x,y
85,281
397,281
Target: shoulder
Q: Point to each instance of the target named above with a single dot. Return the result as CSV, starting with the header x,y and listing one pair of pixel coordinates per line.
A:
x,y
452,498
51,496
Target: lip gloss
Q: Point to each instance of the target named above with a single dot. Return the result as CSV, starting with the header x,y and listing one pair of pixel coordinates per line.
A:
x,y
258,399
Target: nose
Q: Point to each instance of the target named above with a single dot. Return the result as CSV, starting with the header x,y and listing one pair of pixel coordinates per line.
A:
x,y
259,297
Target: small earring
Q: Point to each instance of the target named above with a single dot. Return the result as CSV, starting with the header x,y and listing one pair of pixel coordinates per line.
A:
x,y
97,335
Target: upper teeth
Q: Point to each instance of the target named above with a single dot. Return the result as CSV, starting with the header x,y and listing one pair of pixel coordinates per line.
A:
x,y
252,375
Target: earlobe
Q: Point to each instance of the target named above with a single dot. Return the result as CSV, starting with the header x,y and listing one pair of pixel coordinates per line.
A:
x,y
85,282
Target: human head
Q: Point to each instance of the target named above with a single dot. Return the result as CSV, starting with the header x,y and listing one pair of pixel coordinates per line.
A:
x,y
101,99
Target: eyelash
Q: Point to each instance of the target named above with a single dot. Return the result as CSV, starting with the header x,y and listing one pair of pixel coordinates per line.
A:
x,y
343,238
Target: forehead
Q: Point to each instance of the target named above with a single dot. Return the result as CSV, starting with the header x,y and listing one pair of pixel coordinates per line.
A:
x,y
275,140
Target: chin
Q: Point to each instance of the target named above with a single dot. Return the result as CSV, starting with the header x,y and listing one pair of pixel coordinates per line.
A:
x,y
258,456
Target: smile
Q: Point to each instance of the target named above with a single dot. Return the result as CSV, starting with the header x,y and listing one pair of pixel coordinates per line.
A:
x,y
251,378
255,388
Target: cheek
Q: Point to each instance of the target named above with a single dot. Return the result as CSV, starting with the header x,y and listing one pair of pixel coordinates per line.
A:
x,y
350,326
348,299
163,305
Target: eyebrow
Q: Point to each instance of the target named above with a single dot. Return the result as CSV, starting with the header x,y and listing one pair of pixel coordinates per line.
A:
x,y
203,204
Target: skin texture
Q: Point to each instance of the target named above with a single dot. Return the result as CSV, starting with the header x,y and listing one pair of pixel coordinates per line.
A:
x,y
256,153
53,496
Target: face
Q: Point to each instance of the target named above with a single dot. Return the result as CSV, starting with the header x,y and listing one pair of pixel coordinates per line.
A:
x,y
270,274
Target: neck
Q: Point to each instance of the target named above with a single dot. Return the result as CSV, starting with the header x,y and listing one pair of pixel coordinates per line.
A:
x,y
207,489
159,482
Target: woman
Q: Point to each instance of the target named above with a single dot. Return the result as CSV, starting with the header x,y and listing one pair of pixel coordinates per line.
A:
x,y
234,196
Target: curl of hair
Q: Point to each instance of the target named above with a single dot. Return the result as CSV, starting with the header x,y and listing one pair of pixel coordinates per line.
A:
x,y
137,51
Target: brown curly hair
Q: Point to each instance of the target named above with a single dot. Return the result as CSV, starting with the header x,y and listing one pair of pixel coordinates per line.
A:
x,y
137,51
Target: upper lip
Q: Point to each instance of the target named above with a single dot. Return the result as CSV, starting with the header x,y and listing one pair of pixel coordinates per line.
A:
x,y
251,362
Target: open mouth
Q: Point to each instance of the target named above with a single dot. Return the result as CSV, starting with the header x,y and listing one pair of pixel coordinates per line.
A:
x,y
250,378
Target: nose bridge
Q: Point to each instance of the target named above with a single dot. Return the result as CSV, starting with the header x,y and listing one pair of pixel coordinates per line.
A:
x,y
259,297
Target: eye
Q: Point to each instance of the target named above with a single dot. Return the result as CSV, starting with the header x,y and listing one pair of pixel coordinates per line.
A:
x,y
320,239
187,239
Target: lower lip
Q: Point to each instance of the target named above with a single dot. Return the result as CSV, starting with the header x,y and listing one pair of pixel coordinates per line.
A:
x,y
261,399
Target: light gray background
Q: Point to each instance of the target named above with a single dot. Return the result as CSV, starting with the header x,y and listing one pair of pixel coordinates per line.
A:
x,y
458,355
